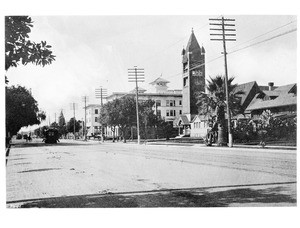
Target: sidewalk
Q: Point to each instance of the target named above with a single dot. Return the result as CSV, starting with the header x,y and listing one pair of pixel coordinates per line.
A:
x,y
172,143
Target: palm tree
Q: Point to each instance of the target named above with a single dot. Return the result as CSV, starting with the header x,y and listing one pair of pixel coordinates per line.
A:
x,y
214,103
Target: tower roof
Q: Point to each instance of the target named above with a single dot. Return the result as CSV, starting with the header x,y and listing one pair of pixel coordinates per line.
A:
x,y
193,43
202,50
158,80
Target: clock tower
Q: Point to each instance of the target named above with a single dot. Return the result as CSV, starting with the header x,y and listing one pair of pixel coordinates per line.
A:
x,y
193,76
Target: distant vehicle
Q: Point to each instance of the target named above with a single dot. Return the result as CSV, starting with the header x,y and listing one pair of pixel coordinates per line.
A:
x,y
25,136
19,136
51,135
94,136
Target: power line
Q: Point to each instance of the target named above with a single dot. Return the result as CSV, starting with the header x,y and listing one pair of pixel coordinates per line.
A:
x,y
173,44
212,60
263,41
264,34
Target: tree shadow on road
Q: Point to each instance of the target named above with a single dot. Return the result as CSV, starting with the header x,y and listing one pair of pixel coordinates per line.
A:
x,y
240,197
42,144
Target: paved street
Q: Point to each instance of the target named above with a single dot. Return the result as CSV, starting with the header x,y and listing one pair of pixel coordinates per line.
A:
x,y
94,174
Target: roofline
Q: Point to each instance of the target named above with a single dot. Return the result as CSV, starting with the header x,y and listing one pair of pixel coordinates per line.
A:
x,y
273,106
147,94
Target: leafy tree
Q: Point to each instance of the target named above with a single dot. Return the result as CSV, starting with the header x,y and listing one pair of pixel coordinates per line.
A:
x,y
70,125
61,119
41,116
39,132
109,115
120,113
147,116
62,128
214,103
127,115
18,48
21,109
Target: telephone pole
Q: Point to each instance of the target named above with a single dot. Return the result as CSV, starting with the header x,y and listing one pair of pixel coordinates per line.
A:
x,y
222,25
85,99
102,94
136,75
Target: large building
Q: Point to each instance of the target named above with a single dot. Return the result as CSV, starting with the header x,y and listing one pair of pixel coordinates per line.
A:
x,y
168,103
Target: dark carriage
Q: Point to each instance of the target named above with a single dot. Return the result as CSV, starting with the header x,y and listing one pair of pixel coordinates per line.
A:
x,y
51,135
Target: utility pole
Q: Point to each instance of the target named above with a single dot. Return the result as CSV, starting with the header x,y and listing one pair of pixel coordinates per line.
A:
x,y
85,99
224,35
73,107
136,75
102,94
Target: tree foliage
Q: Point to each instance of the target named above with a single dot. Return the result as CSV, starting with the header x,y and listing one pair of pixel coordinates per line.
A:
x,y
61,119
62,127
18,48
21,109
121,113
214,103
70,125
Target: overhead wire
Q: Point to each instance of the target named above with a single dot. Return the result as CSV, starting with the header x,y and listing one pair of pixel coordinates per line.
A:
x,y
277,28
173,44
263,41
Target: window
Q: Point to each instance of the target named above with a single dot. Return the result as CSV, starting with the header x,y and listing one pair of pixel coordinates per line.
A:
x,y
158,112
96,119
180,112
185,81
171,112
172,102
180,102
158,103
167,113
96,111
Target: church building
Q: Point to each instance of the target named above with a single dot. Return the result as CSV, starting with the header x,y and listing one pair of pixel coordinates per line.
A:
x,y
193,82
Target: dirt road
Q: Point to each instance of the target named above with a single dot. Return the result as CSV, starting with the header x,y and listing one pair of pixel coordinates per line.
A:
x,y
85,174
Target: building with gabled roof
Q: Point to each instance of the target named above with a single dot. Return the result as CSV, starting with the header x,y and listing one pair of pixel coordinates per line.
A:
x,y
283,99
249,90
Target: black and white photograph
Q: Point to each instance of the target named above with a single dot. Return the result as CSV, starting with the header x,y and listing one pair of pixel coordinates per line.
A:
x,y
187,111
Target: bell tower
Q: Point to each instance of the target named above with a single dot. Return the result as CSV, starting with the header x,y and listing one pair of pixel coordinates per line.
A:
x,y
193,76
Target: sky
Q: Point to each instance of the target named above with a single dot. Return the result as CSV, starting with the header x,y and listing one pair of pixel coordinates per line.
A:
x,y
94,51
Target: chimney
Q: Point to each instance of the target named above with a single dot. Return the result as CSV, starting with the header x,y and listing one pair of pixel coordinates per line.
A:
x,y
271,84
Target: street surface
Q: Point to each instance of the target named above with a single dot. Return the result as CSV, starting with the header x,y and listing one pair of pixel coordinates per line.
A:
x,y
94,174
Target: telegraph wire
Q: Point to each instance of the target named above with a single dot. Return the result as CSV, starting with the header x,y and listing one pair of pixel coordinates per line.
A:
x,y
173,44
264,34
254,44
263,41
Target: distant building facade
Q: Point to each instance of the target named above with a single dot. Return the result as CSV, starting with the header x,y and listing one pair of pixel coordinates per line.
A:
x,y
92,119
168,103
